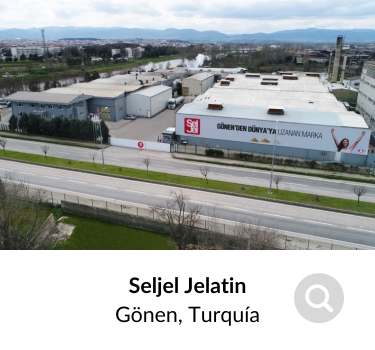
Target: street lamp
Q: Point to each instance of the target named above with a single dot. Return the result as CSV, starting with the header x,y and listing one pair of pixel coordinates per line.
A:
x,y
273,158
96,119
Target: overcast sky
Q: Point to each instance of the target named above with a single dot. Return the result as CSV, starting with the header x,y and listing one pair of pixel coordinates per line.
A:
x,y
231,17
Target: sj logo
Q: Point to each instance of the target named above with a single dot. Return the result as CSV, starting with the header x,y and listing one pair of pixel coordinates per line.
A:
x,y
192,126
140,144
361,151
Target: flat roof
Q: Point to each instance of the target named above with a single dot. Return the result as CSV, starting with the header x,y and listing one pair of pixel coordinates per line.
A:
x,y
305,93
153,90
96,90
29,96
129,79
298,116
200,76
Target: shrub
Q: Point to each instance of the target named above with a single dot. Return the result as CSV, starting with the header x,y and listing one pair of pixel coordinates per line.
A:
x,y
209,152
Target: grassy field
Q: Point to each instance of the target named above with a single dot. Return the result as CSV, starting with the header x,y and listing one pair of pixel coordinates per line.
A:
x,y
198,181
62,71
90,234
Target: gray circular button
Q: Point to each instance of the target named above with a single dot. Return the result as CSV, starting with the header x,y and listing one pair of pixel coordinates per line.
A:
x,y
319,298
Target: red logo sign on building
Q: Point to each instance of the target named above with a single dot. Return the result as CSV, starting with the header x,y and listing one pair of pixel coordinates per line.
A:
x,y
361,151
140,144
192,126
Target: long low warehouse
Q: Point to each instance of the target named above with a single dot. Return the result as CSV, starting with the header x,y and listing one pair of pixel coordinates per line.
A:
x,y
323,135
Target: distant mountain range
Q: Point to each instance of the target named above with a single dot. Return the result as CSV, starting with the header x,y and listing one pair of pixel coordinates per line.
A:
x,y
309,35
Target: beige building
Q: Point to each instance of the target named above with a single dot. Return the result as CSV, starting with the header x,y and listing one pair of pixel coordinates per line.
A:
x,y
197,84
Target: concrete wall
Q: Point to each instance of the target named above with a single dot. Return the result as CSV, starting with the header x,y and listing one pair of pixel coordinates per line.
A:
x,y
154,146
370,161
159,101
74,112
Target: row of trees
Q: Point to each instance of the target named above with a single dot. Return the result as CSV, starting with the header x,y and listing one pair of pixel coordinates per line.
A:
x,y
58,127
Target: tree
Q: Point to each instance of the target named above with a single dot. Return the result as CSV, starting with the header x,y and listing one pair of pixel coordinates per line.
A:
x,y
47,86
359,191
23,122
180,218
255,237
3,144
87,77
147,162
95,75
34,85
13,123
277,179
23,223
45,150
93,156
205,171
15,59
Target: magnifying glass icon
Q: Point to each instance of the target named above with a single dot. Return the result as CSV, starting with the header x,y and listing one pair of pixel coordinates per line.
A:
x,y
324,303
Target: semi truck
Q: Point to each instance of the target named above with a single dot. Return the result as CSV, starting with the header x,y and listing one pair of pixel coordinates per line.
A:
x,y
174,102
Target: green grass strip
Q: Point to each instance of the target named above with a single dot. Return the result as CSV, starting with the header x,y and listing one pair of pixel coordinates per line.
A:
x,y
305,198
90,234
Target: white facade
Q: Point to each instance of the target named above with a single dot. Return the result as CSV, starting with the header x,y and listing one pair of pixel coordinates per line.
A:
x,y
129,53
366,94
148,102
197,84
18,51
115,51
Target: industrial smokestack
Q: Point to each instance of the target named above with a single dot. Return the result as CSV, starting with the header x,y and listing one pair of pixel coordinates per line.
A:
x,y
329,65
343,70
336,62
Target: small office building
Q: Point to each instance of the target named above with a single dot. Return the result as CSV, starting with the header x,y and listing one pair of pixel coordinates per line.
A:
x,y
197,84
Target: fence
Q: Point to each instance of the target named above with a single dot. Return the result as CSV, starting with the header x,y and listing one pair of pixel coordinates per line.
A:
x,y
251,157
287,240
154,146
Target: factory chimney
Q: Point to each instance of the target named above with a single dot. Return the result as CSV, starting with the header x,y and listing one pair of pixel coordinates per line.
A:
x,y
343,70
329,65
336,62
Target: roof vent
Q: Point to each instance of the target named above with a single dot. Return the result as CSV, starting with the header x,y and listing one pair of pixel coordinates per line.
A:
x,y
279,110
252,75
290,77
271,79
224,82
268,82
286,73
229,78
313,75
216,105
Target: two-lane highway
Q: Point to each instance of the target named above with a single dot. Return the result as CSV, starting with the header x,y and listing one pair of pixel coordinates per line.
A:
x,y
164,162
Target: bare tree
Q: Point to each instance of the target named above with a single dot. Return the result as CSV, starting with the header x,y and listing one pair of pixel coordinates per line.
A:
x,y
23,223
93,156
45,150
181,219
205,171
3,144
147,162
359,191
255,237
277,179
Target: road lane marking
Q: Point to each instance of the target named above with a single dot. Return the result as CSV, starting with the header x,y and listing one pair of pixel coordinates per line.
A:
x,y
23,172
106,186
360,229
51,177
165,166
135,191
6,169
281,216
317,222
78,182
225,206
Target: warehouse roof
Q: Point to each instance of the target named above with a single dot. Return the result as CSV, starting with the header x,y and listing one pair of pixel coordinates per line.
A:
x,y
153,90
96,90
300,116
200,76
28,96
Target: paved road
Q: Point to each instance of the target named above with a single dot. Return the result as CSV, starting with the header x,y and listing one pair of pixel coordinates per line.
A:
x,y
163,162
342,227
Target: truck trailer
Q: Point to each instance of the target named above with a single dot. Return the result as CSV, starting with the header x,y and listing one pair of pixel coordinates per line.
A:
x,y
174,102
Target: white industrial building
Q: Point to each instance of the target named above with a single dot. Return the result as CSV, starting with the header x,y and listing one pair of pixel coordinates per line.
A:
x,y
252,112
197,84
18,51
148,102
366,94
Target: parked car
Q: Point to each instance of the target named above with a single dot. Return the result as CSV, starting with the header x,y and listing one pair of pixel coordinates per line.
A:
x,y
2,102
372,139
129,117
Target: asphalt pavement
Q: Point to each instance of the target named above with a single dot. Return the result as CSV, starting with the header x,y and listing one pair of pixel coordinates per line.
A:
x,y
320,223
